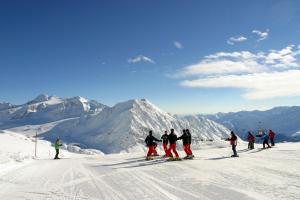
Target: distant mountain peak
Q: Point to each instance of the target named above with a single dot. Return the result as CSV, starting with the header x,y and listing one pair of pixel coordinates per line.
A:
x,y
39,98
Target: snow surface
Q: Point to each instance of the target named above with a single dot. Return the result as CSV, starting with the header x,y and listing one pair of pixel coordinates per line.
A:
x,y
271,174
18,149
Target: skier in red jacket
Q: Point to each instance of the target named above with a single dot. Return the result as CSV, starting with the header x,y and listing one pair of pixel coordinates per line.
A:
x,y
233,142
251,140
165,140
272,137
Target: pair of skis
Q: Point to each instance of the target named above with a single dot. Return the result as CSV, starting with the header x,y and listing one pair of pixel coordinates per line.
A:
x,y
170,158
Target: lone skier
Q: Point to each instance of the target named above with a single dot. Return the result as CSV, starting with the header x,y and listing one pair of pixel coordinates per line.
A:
x,y
172,140
233,143
151,145
272,137
57,145
165,140
251,140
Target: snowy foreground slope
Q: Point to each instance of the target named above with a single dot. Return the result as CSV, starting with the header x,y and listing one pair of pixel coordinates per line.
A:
x,y
271,174
17,150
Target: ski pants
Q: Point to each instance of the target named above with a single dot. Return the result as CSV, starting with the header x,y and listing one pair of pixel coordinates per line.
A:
x,y
165,146
234,149
251,145
266,142
56,155
151,150
187,149
173,148
272,142
155,152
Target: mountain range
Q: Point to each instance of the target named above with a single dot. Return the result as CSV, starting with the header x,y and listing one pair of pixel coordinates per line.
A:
x,y
122,127
285,121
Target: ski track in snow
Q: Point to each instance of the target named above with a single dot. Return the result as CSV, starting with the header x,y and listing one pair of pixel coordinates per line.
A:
x,y
269,174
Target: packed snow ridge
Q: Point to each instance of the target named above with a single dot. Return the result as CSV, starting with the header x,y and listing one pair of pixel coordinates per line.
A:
x,y
121,128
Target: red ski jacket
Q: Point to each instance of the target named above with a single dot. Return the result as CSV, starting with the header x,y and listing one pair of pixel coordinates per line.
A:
x,y
251,138
271,134
233,140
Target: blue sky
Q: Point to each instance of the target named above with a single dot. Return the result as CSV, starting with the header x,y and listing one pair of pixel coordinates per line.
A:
x,y
184,56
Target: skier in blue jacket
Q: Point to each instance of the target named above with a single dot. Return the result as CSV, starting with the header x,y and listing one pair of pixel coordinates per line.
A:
x,y
265,138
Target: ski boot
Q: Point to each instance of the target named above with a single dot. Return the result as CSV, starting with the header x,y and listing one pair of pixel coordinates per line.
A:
x,y
149,158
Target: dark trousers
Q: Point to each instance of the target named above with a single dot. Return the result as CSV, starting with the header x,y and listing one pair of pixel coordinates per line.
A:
x,y
266,142
251,145
272,142
234,150
56,155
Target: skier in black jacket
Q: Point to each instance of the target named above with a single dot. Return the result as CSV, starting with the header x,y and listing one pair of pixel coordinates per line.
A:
x,y
172,140
165,140
151,144
190,142
185,141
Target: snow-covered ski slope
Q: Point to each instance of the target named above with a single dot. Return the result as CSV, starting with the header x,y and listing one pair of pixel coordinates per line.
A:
x,y
271,174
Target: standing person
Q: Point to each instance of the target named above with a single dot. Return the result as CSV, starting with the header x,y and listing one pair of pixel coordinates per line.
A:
x,y
272,137
190,142
265,138
233,142
151,144
165,140
57,145
172,140
251,140
185,141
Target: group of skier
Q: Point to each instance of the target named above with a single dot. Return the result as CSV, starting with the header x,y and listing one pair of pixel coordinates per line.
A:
x,y
169,144
251,140
264,136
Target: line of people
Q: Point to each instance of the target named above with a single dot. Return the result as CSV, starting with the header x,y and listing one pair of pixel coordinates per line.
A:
x,y
264,136
169,144
251,140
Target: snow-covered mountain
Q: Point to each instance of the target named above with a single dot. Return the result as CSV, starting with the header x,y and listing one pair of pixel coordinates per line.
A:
x,y
45,109
283,120
124,127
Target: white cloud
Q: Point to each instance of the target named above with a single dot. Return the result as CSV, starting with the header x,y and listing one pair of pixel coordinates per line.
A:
x,y
257,85
178,45
233,40
262,75
283,58
141,58
262,35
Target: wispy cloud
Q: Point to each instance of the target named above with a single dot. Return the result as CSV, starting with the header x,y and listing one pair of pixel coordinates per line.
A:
x,y
178,45
262,35
257,86
233,40
275,73
141,58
